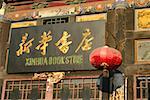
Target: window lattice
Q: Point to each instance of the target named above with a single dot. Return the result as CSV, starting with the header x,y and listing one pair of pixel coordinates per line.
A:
x,y
56,20
77,89
142,88
25,90
67,89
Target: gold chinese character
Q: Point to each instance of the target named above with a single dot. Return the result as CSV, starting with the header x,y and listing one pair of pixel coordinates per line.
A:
x,y
24,46
85,43
43,43
62,44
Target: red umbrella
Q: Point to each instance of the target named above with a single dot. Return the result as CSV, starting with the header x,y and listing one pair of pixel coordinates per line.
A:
x,y
107,57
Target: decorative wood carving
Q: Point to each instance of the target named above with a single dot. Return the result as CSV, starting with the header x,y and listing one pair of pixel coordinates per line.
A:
x,y
102,16
52,77
85,8
23,24
142,19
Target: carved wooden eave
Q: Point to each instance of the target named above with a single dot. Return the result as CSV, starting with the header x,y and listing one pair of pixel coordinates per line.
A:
x,y
33,9
23,14
35,4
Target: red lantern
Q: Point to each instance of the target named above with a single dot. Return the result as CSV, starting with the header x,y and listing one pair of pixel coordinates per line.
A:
x,y
106,56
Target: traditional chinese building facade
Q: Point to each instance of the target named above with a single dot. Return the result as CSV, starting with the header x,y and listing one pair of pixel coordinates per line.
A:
x,y
45,47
